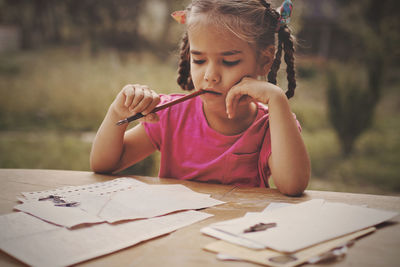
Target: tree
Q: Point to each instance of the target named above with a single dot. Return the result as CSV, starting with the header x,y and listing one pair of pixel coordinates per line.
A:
x,y
372,25
109,23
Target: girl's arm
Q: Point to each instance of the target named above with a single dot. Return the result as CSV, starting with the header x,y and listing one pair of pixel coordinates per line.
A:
x,y
114,148
289,162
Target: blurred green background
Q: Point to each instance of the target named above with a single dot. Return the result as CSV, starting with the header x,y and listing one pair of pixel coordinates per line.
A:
x,y
63,62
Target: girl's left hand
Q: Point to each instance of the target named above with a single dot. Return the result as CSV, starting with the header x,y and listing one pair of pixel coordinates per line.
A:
x,y
258,91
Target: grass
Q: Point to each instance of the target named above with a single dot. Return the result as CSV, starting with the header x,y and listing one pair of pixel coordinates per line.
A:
x,y
68,89
52,101
44,150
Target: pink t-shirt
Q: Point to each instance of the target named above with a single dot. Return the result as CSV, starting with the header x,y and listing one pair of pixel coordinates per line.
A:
x,y
191,150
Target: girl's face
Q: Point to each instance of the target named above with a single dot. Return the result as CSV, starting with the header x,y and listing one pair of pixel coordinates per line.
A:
x,y
219,60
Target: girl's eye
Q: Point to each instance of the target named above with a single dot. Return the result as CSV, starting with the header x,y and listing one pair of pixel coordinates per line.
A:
x,y
198,62
231,63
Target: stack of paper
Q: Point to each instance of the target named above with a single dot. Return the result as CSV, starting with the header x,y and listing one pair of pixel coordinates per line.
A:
x,y
125,199
300,229
49,238
38,243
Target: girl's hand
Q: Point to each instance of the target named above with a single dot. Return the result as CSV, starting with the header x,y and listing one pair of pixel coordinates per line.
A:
x,y
136,98
252,89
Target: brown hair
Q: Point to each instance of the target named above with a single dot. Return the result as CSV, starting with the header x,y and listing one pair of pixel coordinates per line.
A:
x,y
255,22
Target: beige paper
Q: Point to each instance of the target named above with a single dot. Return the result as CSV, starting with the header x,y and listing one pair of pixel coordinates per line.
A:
x,y
153,200
49,245
63,216
301,225
270,257
125,199
20,224
103,188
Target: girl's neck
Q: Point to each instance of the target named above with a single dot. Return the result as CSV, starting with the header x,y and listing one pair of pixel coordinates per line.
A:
x,y
245,116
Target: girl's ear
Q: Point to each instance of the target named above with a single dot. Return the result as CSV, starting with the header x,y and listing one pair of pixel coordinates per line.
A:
x,y
265,60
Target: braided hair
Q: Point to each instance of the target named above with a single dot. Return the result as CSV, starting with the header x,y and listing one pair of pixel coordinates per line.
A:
x,y
184,78
253,21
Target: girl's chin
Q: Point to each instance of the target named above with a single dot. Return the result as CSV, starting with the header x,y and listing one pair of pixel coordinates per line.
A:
x,y
213,98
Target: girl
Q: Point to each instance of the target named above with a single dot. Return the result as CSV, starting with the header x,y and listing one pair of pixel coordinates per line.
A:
x,y
229,137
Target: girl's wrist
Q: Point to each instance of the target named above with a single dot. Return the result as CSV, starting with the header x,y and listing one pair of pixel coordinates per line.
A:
x,y
277,97
113,114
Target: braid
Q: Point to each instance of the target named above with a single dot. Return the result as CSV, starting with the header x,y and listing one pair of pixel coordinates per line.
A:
x,y
276,64
285,43
265,4
288,47
273,16
184,78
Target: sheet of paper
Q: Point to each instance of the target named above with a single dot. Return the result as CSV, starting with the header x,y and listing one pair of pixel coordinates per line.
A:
x,y
104,188
124,199
48,245
276,259
301,225
271,206
63,216
153,200
20,224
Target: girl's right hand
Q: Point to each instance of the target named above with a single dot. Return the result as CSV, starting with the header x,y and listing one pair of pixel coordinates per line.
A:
x,y
136,98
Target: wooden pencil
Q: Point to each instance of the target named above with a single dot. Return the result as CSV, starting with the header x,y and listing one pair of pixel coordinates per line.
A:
x,y
166,105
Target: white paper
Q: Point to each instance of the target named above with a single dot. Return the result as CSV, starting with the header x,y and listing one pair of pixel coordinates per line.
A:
x,y
153,200
302,225
103,188
241,240
63,216
268,257
19,224
49,245
124,199
271,206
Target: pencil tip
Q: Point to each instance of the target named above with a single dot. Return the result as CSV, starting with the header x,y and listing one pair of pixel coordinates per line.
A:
x,y
121,122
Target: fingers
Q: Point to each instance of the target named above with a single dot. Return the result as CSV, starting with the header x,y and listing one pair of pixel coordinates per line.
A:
x,y
235,95
149,102
139,99
231,103
247,90
151,117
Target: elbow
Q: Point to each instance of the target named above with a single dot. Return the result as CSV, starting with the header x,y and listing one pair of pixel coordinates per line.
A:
x,y
97,167
296,191
295,184
101,170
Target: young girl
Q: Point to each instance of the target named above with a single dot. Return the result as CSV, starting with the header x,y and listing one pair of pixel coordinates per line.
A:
x,y
230,137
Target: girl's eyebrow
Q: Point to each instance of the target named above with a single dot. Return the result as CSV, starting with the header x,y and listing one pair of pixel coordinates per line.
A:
x,y
226,53
230,53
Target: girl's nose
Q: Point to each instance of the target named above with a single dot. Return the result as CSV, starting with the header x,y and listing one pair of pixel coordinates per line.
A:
x,y
212,75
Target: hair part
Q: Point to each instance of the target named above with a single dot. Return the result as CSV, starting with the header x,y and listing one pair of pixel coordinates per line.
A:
x,y
253,21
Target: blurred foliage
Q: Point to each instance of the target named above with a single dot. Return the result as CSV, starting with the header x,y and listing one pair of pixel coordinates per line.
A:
x,y
68,89
352,103
44,150
100,24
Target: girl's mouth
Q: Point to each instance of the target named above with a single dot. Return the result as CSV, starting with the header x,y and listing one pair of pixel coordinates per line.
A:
x,y
211,92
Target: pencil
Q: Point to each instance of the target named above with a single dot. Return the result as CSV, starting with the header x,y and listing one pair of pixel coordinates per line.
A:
x,y
166,105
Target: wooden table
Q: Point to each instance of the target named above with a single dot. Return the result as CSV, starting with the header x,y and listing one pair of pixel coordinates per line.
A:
x,y
184,247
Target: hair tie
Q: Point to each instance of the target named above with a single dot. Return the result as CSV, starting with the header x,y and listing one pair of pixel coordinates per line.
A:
x,y
285,12
179,16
